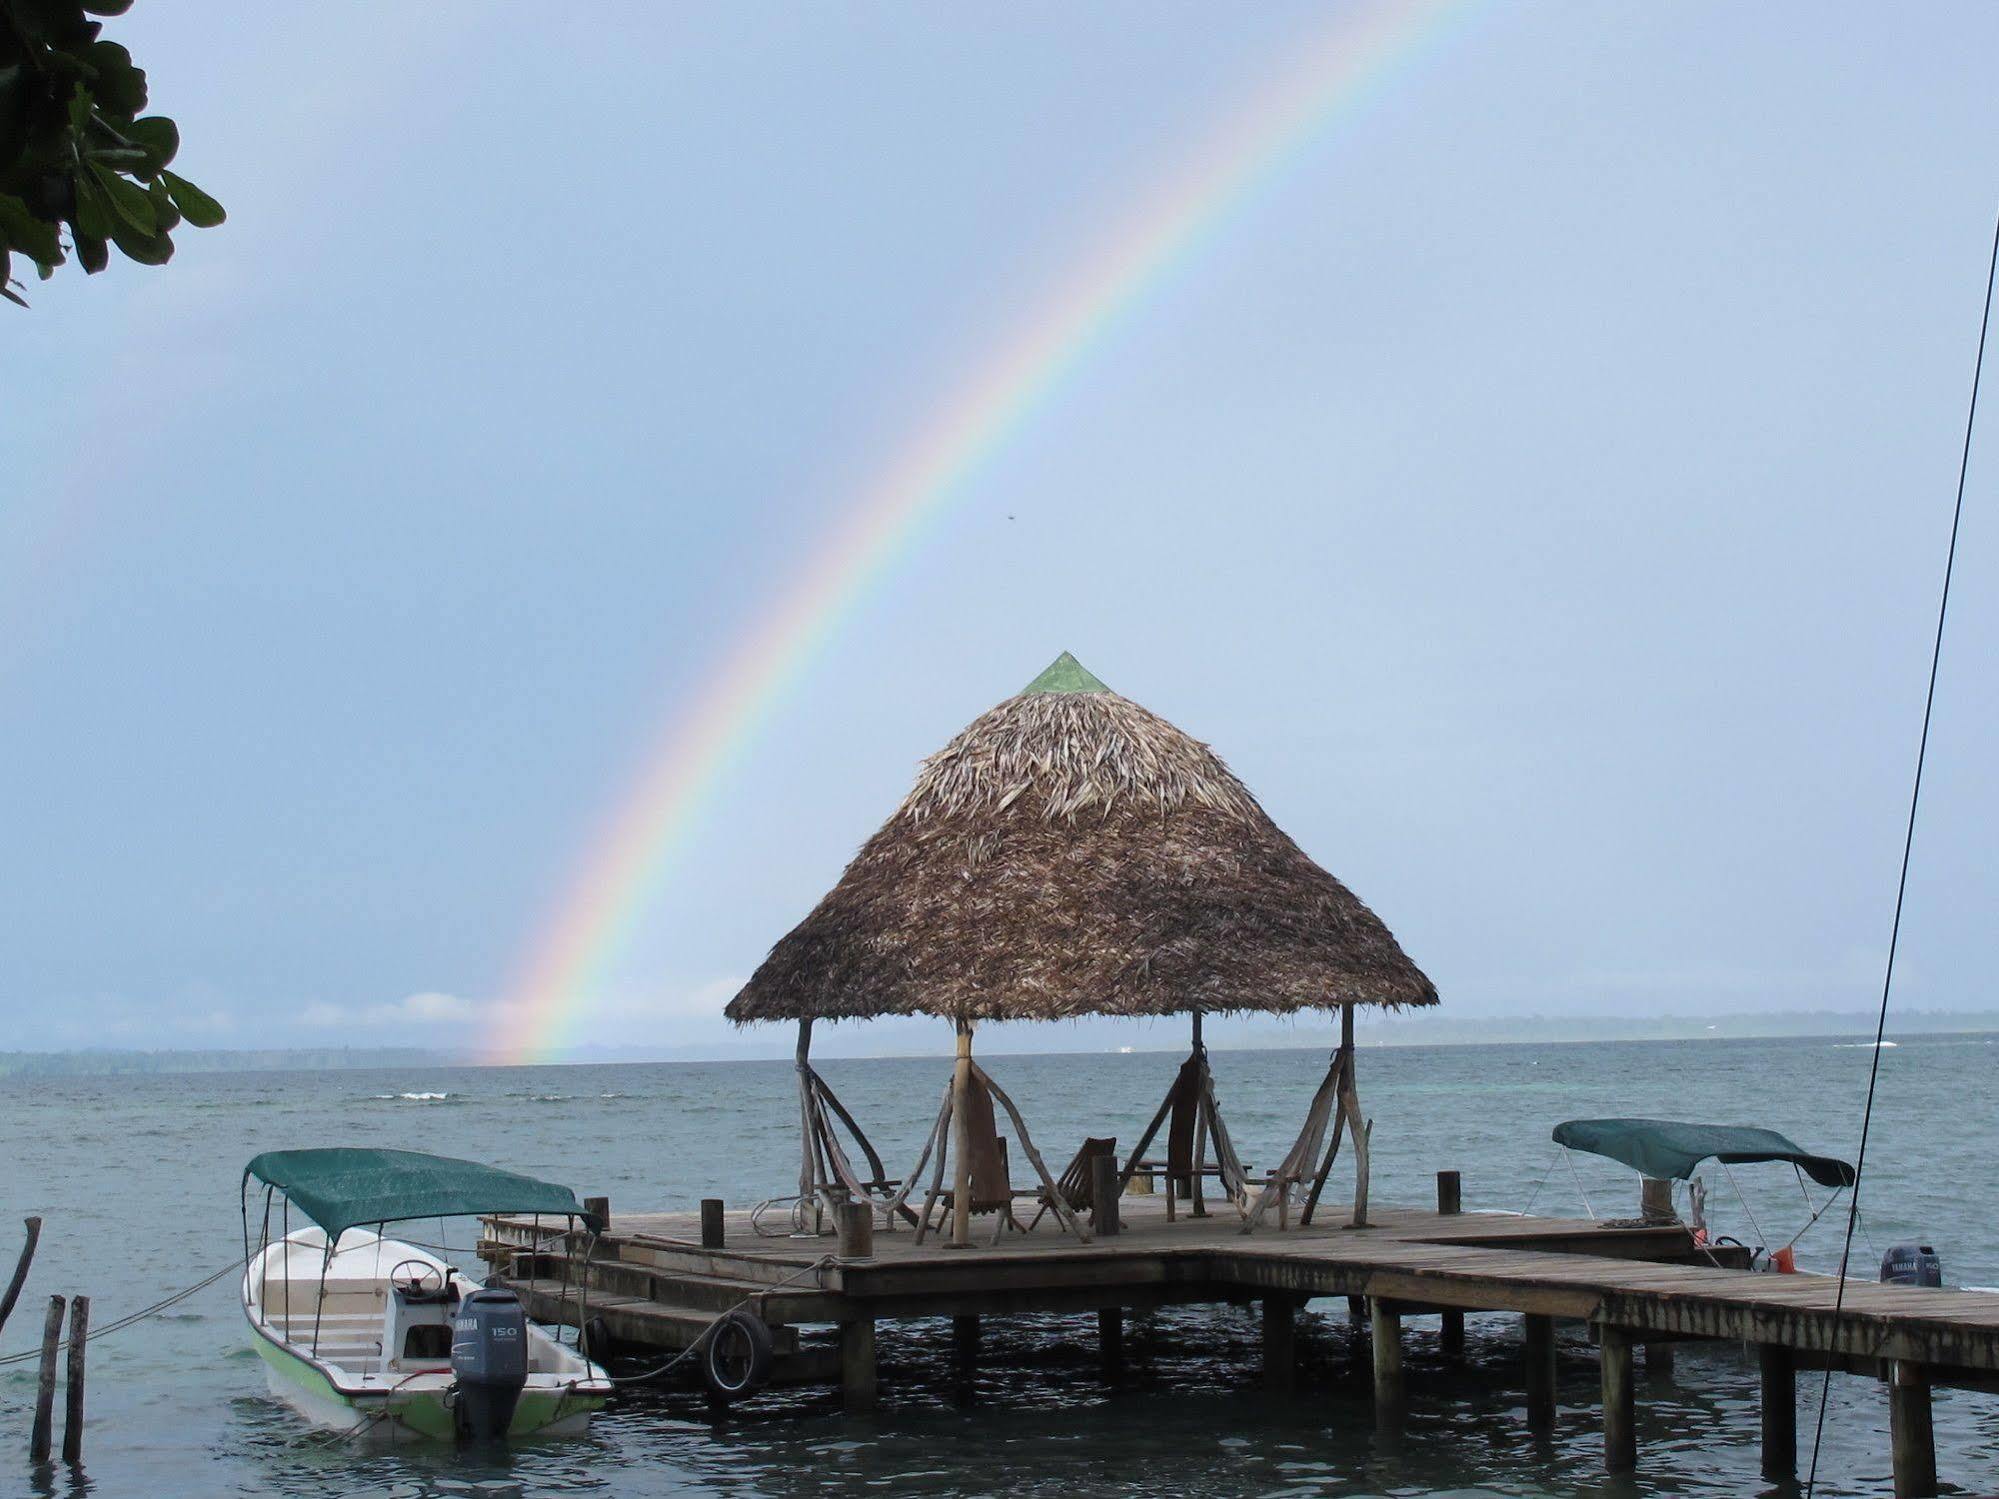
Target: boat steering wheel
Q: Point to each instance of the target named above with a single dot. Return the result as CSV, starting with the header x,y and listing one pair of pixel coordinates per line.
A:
x,y
424,1280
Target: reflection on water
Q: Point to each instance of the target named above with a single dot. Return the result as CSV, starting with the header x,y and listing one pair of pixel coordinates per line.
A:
x,y
136,1178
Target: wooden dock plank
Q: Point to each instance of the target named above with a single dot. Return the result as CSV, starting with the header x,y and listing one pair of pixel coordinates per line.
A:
x,y
1641,1279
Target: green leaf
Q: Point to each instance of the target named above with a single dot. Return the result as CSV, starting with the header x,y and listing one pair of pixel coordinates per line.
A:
x,y
93,213
107,7
121,86
33,237
158,136
128,200
201,210
147,249
164,213
91,252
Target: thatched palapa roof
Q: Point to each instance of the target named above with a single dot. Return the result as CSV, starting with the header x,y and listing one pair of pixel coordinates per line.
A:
x,y
1072,854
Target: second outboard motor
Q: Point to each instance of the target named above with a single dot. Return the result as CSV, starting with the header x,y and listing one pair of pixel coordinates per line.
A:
x,y
489,1356
1911,1265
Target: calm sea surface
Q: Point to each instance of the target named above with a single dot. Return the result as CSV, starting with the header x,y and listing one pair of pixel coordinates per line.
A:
x,y
137,1181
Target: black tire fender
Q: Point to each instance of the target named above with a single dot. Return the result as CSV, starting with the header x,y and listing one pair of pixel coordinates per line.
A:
x,y
736,1354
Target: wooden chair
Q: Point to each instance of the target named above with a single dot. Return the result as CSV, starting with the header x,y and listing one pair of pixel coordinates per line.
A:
x,y
992,1182
1077,1183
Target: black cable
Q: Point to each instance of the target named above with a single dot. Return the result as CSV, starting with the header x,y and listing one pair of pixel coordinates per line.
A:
x,y
1908,846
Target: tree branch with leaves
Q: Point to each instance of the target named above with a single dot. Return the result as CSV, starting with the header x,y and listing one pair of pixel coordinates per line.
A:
x,y
78,153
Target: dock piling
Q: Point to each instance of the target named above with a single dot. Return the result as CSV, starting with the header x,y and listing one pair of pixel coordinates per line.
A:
x,y
1385,1321
857,1231
858,1387
600,1209
72,1411
1620,1431
1540,1339
1110,1339
965,1339
1280,1343
45,1389
1451,1328
711,1223
1911,1432
1780,1411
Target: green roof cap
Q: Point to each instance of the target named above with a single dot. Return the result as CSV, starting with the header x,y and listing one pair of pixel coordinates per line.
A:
x,y
1065,674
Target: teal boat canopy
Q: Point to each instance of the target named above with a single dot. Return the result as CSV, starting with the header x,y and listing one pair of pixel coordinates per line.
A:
x,y
343,1186
1663,1147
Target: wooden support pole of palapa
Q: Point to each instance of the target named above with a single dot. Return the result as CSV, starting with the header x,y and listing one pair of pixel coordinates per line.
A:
x,y
1540,1339
1361,1129
45,1388
1057,1203
34,1236
1104,1196
72,1410
1779,1368
1450,1203
808,1170
1912,1431
961,1141
1620,1406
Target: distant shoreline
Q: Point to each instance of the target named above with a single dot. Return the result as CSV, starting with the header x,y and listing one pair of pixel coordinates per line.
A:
x,y
911,1039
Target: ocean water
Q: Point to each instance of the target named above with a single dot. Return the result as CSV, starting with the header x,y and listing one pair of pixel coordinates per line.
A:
x,y
137,1179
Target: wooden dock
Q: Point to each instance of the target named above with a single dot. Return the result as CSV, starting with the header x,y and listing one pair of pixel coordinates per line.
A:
x,y
658,1280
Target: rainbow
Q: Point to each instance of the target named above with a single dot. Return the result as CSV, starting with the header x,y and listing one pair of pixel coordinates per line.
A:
x,y
1358,55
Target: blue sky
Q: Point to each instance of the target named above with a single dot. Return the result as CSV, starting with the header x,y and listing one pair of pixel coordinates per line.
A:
x,y
1538,494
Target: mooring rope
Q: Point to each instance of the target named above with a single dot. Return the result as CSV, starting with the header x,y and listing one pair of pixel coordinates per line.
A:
x,y
825,1261
1908,842
166,1304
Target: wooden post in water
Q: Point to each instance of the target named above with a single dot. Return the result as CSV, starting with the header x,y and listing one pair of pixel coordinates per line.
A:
x,y
1540,1332
13,1293
711,1223
1620,1430
857,1364
965,1336
1280,1343
1655,1199
1110,1339
1911,1431
857,1231
1385,1319
1104,1196
1780,1411
961,1142
72,1411
600,1209
1450,1203
45,1389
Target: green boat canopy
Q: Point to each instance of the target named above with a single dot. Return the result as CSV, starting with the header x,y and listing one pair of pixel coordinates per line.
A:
x,y
1662,1147
343,1186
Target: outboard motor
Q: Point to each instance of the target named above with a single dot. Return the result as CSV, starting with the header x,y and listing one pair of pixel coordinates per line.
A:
x,y
489,1356
1911,1265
